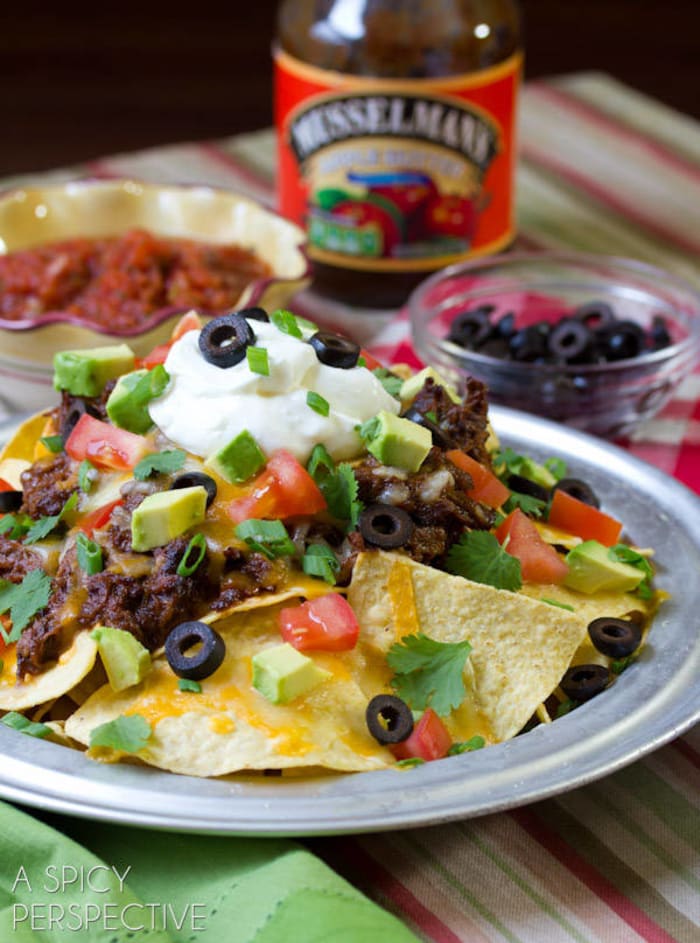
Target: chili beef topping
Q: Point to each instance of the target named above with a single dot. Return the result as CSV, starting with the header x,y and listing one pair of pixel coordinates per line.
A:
x,y
465,423
16,560
48,484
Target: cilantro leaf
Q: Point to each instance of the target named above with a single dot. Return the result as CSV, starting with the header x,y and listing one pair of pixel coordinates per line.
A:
x,y
429,673
340,491
467,746
621,553
87,475
23,601
45,525
286,322
54,443
556,467
391,383
161,463
15,525
478,556
533,507
128,734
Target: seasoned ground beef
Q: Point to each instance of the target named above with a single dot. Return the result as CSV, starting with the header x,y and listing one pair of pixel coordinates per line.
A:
x,y
466,423
247,575
51,632
48,484
16,560
74,406
119,532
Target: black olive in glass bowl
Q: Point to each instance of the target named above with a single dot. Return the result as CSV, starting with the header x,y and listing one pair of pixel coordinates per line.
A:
x,y
225,340
389,719
528,344
335,350
472,328
621,340
616,638
582,682
201,663
385,526
578,489
594,314
196,480
571,341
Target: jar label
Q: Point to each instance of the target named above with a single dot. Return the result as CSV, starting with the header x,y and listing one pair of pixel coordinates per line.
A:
x,y
397,175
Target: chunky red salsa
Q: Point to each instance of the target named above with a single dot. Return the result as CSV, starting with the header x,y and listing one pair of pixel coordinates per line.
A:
x,y
118,281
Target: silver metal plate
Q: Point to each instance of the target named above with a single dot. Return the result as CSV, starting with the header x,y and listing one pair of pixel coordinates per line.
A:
x,y
655,700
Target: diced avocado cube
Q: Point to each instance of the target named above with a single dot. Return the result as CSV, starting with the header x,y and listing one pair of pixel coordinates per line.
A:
x,y
125,659
163,516
239,460
592,570
128,402
399,442
85,372
282,673
412,387
538,473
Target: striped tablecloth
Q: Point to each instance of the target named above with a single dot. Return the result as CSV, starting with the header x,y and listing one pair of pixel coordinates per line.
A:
x,y
603,169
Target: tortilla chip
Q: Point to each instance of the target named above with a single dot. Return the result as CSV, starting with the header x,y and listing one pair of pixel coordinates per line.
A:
x,y
520,647
230,727
23,442
72,666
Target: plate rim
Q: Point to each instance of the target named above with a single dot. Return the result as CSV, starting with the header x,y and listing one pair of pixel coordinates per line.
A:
x,y
53,778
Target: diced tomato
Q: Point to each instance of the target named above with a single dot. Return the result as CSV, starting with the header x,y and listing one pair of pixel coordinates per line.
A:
x,y
284,489
105,445
539,562
157,356
5,486
370,362
188,322
581,519
487,488
429,740
326,624
98,518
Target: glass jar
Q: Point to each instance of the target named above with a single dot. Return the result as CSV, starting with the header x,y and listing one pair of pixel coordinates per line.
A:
x,y
396,137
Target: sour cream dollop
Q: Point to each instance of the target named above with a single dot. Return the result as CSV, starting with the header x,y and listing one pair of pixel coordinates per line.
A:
x,y
205,407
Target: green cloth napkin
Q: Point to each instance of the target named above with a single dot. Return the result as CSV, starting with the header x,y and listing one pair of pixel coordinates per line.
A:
x,y
179,888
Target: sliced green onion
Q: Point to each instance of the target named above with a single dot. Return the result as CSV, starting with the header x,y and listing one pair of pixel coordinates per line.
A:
x,y
361,362
257,361
19,722
267,537
320,561
184,684
89,555
86,475
410,762
391,383
286,322
318,403
54,443
305,324
193,556
320,462
559,605
466,746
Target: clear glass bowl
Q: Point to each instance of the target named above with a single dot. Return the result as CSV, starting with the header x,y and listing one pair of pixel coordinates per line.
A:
x,y
608,399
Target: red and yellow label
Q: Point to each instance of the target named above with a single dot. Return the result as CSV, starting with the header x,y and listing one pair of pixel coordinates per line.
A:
x,y
396,175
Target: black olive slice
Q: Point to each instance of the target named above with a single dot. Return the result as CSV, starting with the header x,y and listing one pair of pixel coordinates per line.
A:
x,y
595,314
472,328
620,341
505,326
224,340
526,486
254,314
335,350
659,333
571,341
203,662
196,479
578,489
582,682
389,719
385,526
528,344
76,410
440,438
616,638
10,501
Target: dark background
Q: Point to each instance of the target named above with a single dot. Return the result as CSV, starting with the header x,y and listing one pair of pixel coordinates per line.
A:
x,y
77,83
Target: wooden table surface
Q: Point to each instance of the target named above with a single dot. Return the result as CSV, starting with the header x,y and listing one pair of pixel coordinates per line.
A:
x,y
76,85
